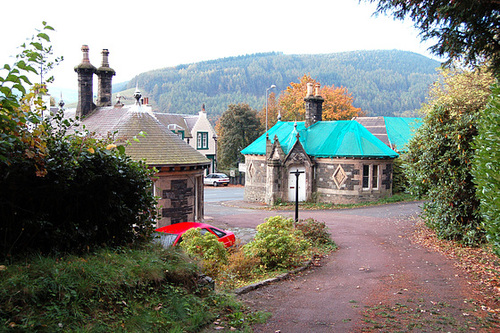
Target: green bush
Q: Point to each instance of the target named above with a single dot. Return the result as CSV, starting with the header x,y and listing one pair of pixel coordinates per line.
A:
x,y
89,194
315,232
278,243
205,247
439,159
487,168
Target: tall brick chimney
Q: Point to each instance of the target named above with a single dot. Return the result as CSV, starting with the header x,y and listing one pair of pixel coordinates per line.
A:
x,y
105,76
314,105
85,72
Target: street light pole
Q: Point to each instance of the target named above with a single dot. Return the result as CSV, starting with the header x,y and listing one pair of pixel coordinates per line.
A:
x,y
297,174
271,87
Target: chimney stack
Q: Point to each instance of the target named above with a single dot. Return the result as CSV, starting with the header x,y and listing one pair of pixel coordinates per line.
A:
x,y
105,75
85,72
314,105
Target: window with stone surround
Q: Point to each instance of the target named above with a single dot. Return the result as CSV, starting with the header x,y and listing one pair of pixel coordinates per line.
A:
x,y
371,176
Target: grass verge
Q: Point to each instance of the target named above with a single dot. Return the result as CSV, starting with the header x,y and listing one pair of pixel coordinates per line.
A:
x,y
120,290
399,197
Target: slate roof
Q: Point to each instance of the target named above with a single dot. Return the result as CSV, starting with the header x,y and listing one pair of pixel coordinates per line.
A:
x,y
343,138
395,132
159,147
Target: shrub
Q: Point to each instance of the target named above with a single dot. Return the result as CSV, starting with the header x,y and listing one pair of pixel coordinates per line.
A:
x,y
91,194
278,243
487,168
315,232
205,247
439,159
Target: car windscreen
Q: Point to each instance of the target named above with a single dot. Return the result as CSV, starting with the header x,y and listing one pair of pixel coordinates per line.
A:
x,y
218,232
165,239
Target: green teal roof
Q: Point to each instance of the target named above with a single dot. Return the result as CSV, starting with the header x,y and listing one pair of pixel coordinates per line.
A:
x,y
400,130
343,138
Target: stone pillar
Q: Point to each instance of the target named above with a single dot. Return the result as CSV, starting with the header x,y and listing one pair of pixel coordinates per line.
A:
x,y
273,180
85,72
314,105
105,75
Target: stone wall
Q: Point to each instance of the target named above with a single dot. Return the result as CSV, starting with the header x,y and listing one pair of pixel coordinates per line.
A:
x,y
340,180
181,196
255,178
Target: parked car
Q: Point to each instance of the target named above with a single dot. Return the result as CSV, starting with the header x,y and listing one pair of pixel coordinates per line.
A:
x,y
216,179
171,235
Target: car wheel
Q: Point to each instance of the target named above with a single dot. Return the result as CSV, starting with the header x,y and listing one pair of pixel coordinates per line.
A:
x,y
216,184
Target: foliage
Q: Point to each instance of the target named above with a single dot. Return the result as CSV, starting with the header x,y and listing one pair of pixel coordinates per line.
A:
x,y
487,168
382,82
315,232
91,194
205,247
20,107
59,191
237,128
278,243
273,112
337,104
122,290
439,158
463,30
399,180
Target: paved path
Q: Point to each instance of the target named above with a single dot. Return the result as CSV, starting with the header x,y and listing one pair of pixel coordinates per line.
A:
x,y
377,269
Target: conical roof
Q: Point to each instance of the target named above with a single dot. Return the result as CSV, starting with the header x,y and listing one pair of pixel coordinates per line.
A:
x,y
149,139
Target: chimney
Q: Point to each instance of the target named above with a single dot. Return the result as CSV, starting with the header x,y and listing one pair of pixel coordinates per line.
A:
x,y
105,76
85,71
314,105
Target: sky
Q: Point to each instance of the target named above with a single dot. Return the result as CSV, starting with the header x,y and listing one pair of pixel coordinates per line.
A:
x,y
143,35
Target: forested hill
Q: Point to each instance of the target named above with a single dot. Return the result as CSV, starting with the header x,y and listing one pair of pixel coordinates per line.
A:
x,y
383,83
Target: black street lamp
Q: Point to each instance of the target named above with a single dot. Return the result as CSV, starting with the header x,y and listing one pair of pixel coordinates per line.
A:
x,y
297,174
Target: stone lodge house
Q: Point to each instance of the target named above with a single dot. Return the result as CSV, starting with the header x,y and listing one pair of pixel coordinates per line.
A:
x,y
338,161
179,181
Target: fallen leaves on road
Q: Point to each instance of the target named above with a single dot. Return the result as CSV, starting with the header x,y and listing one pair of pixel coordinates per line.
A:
x,y
481,265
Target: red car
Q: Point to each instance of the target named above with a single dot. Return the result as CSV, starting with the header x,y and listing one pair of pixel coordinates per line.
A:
x,y
171,235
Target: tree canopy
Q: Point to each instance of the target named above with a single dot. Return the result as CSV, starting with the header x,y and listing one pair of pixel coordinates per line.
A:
x,y
465,30
237,128
337,105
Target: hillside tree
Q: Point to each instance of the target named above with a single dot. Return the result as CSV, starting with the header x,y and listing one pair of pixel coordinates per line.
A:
x,y
440,155
237,128
465,30
337,104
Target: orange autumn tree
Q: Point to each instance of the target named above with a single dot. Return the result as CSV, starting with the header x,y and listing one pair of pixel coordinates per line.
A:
x,y
337,105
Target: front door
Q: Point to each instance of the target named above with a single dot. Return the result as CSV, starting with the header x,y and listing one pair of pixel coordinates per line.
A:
x,y
292,184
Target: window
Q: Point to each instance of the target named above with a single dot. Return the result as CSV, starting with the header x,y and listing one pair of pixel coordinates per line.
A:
x,y
370,172
181,134
202,140
366,176
375,177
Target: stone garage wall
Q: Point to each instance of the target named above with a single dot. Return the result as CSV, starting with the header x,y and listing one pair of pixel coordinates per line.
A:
x,y
181,196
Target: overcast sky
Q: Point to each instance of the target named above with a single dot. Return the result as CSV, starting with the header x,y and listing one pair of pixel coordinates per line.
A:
x,y
143,35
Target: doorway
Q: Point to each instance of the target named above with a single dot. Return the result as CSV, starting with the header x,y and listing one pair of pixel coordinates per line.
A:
x,y
292,180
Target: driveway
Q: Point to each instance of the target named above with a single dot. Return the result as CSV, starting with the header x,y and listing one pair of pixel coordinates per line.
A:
x,y
377,281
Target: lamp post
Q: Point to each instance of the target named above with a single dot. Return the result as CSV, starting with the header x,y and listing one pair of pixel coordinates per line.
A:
x,y
271,87
297,174
215,152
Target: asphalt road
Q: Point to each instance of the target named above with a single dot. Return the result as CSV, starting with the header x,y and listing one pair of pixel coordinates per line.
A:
x,y
377,266
223,193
